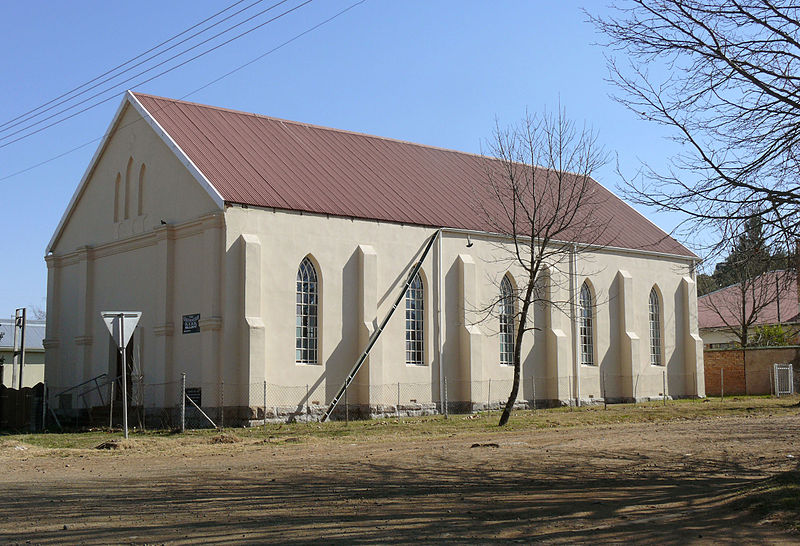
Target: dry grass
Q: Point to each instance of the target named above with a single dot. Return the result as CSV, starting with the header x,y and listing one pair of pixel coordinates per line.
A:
x,y
396,429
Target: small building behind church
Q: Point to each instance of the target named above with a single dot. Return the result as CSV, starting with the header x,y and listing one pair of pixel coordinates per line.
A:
x,y
263,253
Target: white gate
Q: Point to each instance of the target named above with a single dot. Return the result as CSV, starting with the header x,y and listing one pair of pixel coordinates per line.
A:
x,y
784,380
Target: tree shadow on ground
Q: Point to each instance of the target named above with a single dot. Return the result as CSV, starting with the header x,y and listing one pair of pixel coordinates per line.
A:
x,y
429,495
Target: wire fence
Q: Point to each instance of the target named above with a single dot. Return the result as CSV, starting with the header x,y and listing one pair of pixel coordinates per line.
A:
x,y
187,404
778,380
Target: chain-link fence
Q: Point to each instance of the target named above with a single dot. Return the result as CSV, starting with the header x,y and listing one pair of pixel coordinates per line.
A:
x,y
777,380
190,404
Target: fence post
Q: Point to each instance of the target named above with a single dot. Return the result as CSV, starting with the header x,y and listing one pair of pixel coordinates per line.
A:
x,y
603,388
44,405
664,386
445,398
398,399
722,384
183,402
308,407
533,389
265,402
222,404
489,398
111,407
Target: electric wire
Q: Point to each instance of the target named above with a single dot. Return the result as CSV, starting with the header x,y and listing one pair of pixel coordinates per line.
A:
x,y
71,91
287,42
112,87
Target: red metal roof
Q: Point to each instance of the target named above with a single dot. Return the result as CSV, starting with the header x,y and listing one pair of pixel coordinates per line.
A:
x,y
262,161
724,305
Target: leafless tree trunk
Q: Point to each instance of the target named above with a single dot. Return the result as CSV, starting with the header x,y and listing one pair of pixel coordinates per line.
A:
x,y
541,196
740,306
723,75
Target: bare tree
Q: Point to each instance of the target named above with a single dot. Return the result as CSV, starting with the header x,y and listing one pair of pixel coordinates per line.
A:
x,y
741,306
38,313
541,196
729,92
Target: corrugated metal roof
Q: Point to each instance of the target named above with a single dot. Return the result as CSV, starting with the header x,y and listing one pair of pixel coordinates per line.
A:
x,y
34,334
268,162
724,305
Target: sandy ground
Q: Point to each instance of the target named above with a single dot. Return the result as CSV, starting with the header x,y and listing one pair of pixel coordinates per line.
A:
x,y
668,482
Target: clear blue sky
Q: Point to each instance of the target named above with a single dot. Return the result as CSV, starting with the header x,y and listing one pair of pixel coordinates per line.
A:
x,y
434,71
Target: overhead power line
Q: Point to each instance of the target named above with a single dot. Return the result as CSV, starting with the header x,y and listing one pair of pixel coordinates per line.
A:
x,y
240,67
143,72
139,56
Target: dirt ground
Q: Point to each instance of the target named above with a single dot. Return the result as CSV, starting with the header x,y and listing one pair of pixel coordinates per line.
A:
x,y
677,481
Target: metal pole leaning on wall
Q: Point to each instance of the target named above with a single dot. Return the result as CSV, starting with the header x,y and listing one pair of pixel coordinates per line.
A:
x,y
183,402
376,334
489,398
533,389
664,386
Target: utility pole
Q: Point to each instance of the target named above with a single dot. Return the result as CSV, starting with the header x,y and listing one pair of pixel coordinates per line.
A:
x,y
19,350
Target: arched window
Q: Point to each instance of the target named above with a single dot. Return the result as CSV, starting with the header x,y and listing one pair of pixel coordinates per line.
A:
x,y
117,184
128,188
307,307
140,208
506,322
655,328
415,322
586,325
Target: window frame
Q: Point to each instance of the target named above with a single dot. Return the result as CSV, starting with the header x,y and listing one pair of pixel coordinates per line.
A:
x,y
507,322
415,322
307,304
586,326
655,324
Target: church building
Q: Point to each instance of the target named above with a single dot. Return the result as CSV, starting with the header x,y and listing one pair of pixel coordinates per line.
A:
x,y
266,252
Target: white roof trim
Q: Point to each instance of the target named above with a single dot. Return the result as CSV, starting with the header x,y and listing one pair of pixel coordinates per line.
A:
x,y
85,178
179,153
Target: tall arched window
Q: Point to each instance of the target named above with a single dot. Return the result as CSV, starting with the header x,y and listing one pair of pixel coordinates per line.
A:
x,y
307,307
128,183
117,184
586,325
415,322
655,328
140,208
506,322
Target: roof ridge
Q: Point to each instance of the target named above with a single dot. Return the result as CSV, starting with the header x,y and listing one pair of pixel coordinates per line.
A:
x,y
322,127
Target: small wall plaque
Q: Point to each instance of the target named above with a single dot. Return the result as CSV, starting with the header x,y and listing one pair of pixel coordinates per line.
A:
x,y
191,323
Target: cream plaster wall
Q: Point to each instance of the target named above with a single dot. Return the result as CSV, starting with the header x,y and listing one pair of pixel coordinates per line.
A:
x,y
34,367
136,263
336,247
170,192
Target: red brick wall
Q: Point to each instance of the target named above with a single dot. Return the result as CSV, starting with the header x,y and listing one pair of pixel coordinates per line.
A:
x,y
729,361
749,373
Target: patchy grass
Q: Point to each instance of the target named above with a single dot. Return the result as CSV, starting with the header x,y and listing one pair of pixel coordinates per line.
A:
x,y
776,499
394,429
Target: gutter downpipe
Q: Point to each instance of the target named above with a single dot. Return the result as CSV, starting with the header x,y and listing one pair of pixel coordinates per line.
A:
x,y
575,325
439,300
